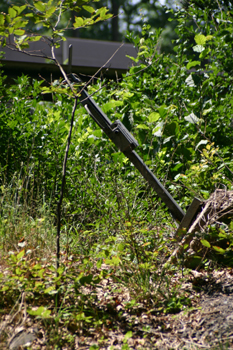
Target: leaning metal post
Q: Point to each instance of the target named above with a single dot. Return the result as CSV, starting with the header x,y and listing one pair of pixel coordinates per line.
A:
x,y
126,143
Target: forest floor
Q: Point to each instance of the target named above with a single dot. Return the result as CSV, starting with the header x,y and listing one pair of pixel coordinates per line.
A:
x,y
207,324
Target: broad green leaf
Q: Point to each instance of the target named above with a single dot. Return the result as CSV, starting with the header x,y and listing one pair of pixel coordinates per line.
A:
x,y
35,38
153,117
86,279
2,19
21,254
205,243
162,111
20,24
50,290
204,53
12,12
50,11
40,6
142,126
200,39
19,9
78,22
218,249
115,261
41,311
110,105
89,9
128,335
19,32
193,64
192,118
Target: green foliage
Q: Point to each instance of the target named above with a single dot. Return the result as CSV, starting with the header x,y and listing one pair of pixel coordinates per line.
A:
x,y
115,236
47,15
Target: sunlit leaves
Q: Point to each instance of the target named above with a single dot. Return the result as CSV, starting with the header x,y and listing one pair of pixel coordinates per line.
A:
x,y
193,64
40,312
12,12
205,243
153,117
78,22
200,39
40,6
89,9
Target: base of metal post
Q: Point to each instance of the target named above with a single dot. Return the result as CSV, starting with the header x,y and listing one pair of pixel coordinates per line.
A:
x,y
188,218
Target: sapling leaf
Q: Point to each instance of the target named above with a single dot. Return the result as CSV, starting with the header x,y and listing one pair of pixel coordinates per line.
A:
x,y
20,254
218,249
12,12
89,8
193,64
200,39
205,243
127,336
40,6
41,311
19,32
78,22
153,117
142,126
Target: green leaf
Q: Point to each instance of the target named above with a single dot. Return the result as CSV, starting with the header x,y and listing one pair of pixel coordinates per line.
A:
x,y
153,117
86,279
200,39
2,19
89,9
142,126
40,6
34,38
193,64
50,290
78,22
19,32
204,53
218,249
50,11
19,9
110,105
12,12
41,311
205,243
21,254
127,336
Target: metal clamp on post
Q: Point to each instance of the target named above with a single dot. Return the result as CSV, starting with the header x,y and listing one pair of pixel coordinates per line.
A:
x,y
122,137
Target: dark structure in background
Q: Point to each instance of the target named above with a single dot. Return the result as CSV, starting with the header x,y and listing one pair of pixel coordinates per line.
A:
x,y
88,57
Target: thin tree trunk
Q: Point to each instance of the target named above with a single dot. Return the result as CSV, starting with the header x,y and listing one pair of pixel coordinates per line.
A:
x,y
115,20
